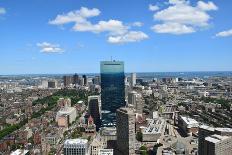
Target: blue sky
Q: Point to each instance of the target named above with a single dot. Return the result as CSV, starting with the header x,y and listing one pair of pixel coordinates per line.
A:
x,y
72,36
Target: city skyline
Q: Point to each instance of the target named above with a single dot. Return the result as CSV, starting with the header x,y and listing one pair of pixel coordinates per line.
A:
x,y
149,36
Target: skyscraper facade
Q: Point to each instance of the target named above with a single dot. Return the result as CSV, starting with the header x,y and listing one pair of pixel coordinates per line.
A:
x,y
68,80
214,141
94,109
217,145
132,97
75,79
126,131
85,79
133,79
112,90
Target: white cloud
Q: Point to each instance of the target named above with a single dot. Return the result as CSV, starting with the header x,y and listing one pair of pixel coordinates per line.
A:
x,y
206,6
113,28
178,2
226,33
46,47
181,18
137,24
131,36
153,7
2,11
172,28
78,16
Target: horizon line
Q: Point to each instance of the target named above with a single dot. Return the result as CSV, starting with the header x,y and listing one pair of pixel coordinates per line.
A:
x,y
23,74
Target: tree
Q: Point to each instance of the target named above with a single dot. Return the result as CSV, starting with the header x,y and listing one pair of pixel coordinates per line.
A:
x,y
139,136
143,150
89,138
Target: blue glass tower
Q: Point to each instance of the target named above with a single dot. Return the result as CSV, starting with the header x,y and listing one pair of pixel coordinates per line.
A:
x,y
112,90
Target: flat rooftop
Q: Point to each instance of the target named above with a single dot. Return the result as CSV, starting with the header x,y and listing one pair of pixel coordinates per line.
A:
x,y
216,138
66,110
75,141
188,120
19,152
224,129
108,131
205,127
154,126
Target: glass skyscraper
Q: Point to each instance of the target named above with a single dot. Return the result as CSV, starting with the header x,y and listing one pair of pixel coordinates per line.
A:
x,y
112,90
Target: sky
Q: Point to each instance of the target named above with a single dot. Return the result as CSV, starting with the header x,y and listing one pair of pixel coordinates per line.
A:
x,y
73,36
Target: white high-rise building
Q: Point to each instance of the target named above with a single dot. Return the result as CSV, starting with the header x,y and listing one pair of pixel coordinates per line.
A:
x,y
132,97
71,112
133,79
136,100
44,84
76,147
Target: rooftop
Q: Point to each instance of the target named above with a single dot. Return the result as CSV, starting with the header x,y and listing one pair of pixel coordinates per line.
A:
x,y
224,129
66,110
217,129
216,138
108,131
126,110
19,152
154,126
76,141
188,120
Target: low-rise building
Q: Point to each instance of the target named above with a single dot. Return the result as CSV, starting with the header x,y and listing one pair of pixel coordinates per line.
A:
x,y
96,145
52,138
76,147
154,130
106,152
188,125
168,111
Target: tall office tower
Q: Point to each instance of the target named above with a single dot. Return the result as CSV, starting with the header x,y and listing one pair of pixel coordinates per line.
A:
x,y
218,145
136,100
68,80
206,131
52,84
75,79
96,80
81,81
133,79
112,90
139,104
94,106
132,97
75,147
85,79
125,131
